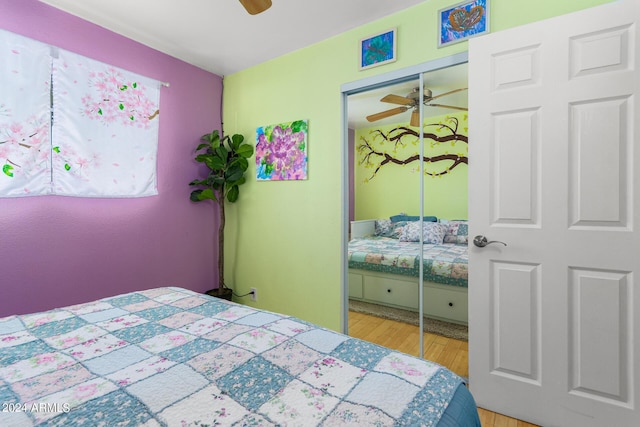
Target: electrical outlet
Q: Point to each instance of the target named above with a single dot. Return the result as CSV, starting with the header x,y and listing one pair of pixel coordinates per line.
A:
x,y
254,294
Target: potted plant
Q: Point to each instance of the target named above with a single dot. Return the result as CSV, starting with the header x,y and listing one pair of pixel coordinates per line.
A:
x,y
226,159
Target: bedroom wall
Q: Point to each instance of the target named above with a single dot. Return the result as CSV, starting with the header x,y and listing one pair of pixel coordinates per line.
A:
x,y
396,188
284,238
55,250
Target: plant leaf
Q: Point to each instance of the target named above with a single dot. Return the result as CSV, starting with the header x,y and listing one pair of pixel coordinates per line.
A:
x,y
233,194
233,174
214,163
212,138
237,140
222,153
241,162
195,196
226,158
202,157
233,177
7,170
207,194
241,181
245,151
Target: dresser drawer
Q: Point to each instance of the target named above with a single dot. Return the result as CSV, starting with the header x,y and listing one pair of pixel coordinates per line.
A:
x,y
451,304
355,285
391,292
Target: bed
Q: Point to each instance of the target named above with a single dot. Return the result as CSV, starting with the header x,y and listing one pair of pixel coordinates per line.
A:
x,y
384,265
173,357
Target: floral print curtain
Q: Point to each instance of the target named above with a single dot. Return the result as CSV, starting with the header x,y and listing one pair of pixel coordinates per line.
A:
x,y
74,126
25,105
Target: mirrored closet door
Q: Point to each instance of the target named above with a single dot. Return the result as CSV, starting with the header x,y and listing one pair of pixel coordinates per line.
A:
x,y
405,149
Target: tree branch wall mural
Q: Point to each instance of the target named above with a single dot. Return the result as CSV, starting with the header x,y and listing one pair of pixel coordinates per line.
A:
x,y
374,156
386,169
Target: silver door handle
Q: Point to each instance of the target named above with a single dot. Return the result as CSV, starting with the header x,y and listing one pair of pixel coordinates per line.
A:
x,y
481,241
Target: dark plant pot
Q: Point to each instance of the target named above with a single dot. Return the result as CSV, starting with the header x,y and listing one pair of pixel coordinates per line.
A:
x,y
224,293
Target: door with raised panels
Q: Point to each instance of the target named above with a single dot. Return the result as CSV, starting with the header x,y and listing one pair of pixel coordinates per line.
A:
x,y
553,315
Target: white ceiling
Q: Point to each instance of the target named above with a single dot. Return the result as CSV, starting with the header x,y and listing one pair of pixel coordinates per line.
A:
x,y
219,35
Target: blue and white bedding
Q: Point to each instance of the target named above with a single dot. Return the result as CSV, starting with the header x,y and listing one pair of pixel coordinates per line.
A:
x,y
173,357
445,263
393,246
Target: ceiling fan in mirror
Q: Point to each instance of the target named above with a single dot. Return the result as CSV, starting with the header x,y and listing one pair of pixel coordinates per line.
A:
x,y
255,7
411,102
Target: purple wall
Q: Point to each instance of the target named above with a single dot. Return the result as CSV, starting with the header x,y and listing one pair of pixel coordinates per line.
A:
x,y
351,152
55,250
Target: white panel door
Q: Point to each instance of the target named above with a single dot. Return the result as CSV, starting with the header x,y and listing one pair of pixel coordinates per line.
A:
x,y
553,315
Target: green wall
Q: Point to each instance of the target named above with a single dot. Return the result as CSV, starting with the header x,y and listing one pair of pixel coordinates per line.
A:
x,y
284,238
396,188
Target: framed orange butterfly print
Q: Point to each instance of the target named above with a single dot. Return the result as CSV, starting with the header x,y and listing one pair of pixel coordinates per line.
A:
x,y
462,21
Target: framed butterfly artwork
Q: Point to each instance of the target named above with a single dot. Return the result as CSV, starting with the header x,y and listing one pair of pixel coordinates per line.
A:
x,y
462,21
378,49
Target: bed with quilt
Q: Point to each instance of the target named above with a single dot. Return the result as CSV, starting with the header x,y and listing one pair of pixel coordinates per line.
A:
x,y
384,264
173,357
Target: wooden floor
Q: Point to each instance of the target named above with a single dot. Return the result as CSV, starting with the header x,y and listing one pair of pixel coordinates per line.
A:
x,y
453,354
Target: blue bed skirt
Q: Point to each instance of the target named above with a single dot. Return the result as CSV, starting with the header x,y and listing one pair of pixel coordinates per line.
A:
x,y
462,410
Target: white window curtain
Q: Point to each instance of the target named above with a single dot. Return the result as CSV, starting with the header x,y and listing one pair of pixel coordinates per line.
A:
x,y
25,98
105,129
103,139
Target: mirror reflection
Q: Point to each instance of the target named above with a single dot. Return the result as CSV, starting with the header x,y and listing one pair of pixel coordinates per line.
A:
x,y
386,178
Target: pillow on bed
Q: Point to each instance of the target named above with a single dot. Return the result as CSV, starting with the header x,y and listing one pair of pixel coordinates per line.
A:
x,y
457,232
386,228
405,217
433,232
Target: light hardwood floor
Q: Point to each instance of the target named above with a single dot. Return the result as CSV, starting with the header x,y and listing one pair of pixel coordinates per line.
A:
x,y
453,354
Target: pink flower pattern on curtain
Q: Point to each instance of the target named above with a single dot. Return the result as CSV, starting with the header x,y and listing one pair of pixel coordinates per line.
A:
x,y
104,134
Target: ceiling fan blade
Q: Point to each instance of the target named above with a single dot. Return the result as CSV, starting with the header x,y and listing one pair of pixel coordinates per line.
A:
x,y
387,113
447,106
256,6
397,99
449,93
415,119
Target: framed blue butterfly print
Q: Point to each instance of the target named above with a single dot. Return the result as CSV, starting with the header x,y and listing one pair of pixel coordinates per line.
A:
x,y
462,21
378,49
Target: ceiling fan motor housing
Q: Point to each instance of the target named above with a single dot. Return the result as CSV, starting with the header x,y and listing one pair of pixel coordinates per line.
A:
x,y
411,102
415,94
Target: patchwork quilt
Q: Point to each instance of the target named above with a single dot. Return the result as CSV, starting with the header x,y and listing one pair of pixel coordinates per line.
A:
x,y
173,357
445,263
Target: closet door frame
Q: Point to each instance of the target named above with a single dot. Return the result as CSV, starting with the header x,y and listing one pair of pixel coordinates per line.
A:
x,y
415,72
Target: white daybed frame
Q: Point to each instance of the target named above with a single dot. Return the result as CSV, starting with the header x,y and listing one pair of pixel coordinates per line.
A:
x,y
443,302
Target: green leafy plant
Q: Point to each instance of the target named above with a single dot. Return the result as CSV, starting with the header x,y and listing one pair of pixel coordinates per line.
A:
x,y
227,161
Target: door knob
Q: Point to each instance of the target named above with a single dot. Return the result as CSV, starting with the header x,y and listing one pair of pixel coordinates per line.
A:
x,y
481,241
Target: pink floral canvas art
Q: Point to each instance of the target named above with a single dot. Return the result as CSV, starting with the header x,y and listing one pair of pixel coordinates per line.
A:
x,y
281,151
